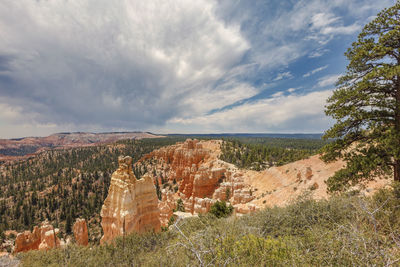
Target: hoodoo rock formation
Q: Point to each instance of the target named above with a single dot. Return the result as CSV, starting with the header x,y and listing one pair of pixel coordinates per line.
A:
x,y
81,232
191,171
26,240
131,205
42,238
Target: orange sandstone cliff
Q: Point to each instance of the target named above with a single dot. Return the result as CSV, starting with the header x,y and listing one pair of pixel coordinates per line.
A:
x,y
131,205
192,171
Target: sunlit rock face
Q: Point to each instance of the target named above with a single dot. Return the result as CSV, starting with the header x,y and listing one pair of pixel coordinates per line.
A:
x,y
131,205
191,171
81,232
26,240
192,174
42,238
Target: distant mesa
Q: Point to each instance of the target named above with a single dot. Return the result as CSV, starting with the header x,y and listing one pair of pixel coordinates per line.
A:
x,y
256,135
20,148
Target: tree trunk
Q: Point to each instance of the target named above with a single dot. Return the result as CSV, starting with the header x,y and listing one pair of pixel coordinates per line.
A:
x,y
397,131
397,170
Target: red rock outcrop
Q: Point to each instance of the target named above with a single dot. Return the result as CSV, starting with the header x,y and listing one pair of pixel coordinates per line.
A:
x,y
42,238
49,238
81,232
198,176
183,163
246,208
26,240
166,206
192,171
131,205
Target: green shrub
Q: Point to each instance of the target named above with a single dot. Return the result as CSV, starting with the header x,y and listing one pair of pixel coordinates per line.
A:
x,y
220,210
348,230
253,250
179,205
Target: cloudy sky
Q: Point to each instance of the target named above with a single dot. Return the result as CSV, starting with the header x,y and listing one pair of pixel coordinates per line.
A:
x,y
173,66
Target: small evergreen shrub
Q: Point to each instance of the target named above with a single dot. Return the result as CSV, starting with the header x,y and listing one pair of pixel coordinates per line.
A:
x,y
220,210
179,205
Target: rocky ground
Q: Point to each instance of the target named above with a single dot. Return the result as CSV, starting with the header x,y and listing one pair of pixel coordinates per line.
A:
x,y
6,260
277,186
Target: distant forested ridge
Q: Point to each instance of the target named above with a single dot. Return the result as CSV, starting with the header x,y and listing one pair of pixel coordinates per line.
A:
x,y
253,135
258,153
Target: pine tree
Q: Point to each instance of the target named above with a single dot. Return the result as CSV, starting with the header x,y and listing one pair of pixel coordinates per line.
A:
x,y
158,190
366,105
68,224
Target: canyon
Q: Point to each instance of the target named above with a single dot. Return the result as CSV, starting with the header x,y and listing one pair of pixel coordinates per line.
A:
x,y
191,172
186,179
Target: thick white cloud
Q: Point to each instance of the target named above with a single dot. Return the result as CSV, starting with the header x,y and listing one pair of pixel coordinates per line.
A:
x,y
290,113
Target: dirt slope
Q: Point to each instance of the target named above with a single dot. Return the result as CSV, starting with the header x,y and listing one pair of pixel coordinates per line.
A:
x,y
279,185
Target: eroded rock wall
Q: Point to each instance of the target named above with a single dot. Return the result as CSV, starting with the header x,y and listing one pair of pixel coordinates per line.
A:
x,y
42,238
191,171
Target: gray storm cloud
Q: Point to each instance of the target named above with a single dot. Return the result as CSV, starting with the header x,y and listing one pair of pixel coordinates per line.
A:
x,y
120,63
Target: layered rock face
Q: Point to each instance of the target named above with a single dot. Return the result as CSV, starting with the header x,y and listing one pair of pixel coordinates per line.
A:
x,y
131,205
81,232
42,238
166,206
191,171
181,163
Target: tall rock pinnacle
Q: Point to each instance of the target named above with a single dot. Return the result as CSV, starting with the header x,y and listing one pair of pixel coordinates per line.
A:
x,y
131,205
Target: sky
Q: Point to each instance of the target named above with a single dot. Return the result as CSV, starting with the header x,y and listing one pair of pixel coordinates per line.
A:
x,y
173,66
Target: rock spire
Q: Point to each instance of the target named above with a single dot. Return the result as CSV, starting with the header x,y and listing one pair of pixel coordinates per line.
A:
x,y
131,205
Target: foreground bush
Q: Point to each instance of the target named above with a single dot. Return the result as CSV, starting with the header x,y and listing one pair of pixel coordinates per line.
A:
x,y
220,210
344,231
